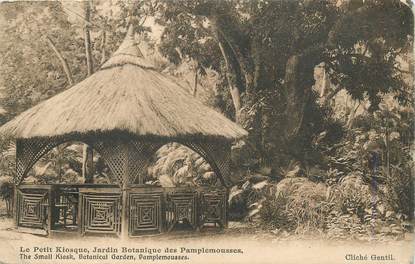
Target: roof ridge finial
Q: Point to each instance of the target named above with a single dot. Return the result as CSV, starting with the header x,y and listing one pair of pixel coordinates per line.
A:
x,y
130,30
130,25
128,52
129,45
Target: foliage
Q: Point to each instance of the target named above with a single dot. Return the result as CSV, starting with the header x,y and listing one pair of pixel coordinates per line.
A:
x,y
344,210
389,132
297,205
177,165
6,192
352,196
360,201
274,213
7,157
63,164
400,191
30,71
268,50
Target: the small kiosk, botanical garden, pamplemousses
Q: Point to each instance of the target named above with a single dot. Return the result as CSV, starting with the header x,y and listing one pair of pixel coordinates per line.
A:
x,y
125,111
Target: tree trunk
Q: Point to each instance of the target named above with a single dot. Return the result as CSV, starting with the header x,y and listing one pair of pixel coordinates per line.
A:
x,y
87,164
352,116
295,97
324,83
87,7
63,61
234,91
196,80
299,78
87,161
388,163
103,42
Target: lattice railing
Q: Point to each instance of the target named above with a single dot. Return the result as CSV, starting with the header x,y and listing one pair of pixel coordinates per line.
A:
x,y
181,207
32,208
157,210
213,208
149,210
145,212
128,157
100,213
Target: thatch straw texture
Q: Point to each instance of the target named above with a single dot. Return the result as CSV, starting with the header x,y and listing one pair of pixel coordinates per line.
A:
x,y
128,53
127,95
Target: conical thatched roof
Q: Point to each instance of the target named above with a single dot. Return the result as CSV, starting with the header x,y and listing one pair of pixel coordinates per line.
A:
x,y
126,94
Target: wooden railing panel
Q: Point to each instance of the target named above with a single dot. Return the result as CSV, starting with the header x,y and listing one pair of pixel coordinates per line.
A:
x,y
32,208
213,208
181,208
100,213
145,213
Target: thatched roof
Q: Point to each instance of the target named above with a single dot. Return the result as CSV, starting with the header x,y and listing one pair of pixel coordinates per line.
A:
x,y
126,94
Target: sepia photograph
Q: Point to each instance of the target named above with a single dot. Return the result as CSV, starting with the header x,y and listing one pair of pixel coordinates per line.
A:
x,y
207,131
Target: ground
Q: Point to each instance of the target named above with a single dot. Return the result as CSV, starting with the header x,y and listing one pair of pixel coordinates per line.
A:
x,y
258,246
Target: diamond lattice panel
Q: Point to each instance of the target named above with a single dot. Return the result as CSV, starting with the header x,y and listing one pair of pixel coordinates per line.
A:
x,y
139,158
217,155
115,155
28,151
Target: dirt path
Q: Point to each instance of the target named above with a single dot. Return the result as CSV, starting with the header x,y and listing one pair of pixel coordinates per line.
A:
x,y
254,247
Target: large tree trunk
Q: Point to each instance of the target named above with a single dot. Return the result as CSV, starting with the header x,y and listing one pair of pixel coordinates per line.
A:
x,y
233,89
63,61
87,161
296,93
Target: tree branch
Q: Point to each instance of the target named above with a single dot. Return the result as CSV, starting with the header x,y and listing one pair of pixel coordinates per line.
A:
x,y
61,59
235,93
333,93
401,71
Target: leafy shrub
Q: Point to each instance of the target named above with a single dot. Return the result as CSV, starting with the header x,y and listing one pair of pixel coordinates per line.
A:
x,y
362,211
400,190
352,195
274,212
177,165
309,205
6,192
347,209
342,226
297,204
